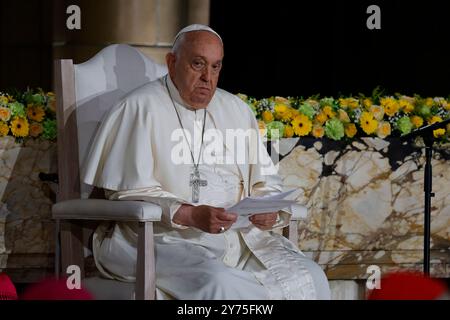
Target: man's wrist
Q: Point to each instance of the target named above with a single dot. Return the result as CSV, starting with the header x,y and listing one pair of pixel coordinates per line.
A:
x,y
183,216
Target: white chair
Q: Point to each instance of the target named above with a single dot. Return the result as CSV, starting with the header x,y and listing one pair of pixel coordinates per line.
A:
x,y
85,92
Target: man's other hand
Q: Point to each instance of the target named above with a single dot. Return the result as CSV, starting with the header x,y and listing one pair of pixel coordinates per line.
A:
x,y
206,218
264,221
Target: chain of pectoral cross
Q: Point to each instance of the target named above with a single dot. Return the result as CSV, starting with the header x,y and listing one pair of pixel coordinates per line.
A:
x,y
195,182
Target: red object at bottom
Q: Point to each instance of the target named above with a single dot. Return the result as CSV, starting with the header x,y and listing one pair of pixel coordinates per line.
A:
x,y
54,289
408,286
7,288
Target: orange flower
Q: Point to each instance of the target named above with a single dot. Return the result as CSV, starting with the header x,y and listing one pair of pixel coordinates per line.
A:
x,y
384,129
321,118
288,131
35,112
5,114
267,116
350,130
417,121
318,131
36,129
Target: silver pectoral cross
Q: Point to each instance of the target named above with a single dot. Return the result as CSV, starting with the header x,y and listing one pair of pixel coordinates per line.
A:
x,y
195,183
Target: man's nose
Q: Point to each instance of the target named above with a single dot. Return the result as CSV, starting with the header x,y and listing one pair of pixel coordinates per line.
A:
x,y
206,74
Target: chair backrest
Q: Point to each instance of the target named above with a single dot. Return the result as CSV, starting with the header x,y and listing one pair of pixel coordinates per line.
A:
x,y
85,92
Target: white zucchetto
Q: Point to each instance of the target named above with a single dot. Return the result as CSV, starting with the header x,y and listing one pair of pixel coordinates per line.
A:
x,y
196,27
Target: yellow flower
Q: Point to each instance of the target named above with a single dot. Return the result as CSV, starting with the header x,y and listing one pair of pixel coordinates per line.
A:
x,y
35,129
19,127
350,130
288,131
267,116
262,128
5,114
343,103
434,119
390,106
294,113
353,103
4,129
3,100
35,112
438,133
367,103
280,111
329,112
429,102
417,121
301,125
384,129
318,131
343,116
289,114
368,123
406,106
377,111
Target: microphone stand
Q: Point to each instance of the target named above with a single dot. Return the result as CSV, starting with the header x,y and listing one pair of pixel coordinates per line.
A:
x,y
428,137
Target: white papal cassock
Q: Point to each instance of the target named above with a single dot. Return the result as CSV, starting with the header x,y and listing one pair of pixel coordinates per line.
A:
x,y
134,156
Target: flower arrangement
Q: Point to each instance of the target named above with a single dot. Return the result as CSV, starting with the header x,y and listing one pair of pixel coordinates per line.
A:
x,y
29,114
343,118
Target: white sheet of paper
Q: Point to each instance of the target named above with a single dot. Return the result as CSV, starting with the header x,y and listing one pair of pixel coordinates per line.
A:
x,y
258,205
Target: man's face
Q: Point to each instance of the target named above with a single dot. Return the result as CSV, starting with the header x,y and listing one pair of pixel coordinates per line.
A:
x,y
195,68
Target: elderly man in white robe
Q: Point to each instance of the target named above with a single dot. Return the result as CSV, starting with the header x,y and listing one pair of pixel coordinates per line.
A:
x,y
135,156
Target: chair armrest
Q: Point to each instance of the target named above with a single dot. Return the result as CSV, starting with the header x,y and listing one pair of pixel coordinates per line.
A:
x,y
299,212
100,209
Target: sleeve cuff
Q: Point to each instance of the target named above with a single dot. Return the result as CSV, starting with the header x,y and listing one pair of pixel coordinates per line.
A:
x,y
173,208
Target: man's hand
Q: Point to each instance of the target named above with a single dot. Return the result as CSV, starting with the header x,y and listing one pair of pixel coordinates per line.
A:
x,y
264,221
206,218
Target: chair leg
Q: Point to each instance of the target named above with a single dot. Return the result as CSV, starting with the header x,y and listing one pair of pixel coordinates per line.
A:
x,y
291,232
71,246
145,266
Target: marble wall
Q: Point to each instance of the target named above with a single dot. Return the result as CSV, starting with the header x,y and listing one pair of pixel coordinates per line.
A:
x,y
26,228
365,204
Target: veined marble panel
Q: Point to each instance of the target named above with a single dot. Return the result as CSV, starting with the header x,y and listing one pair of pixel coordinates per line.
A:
x,y
26,227
365,205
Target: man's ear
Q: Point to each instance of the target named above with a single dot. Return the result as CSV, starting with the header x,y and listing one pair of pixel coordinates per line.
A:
x,y
170,61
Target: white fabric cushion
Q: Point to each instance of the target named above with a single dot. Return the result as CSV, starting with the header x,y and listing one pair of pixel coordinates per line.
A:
x,y
100,209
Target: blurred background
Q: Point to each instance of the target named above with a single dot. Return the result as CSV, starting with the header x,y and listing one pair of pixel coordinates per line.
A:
x,y
292,47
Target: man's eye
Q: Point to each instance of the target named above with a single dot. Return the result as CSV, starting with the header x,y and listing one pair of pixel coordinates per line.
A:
x,y
198,64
